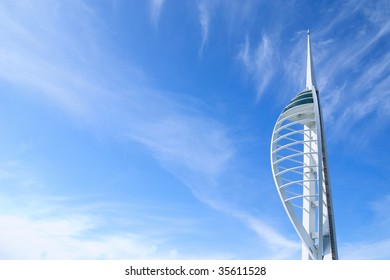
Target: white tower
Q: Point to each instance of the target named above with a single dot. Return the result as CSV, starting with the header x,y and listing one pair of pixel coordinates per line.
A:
x,y
299,167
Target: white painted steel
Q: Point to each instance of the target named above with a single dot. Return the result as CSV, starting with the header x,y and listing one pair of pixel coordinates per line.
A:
x,y
299,167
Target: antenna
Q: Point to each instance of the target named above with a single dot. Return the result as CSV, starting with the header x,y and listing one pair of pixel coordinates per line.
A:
x,y
310,76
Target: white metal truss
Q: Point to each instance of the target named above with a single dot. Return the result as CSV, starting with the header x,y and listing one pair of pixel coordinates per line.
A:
x,y
299,167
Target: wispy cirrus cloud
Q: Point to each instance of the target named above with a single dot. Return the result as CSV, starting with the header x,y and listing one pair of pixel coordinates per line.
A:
x,y
380,208
259,62
366,250
347,64
353,83
180,140
177,133
68,236
279,247
36,224
274,244
204,19
156,7
377,246
187,142
53,227
205,10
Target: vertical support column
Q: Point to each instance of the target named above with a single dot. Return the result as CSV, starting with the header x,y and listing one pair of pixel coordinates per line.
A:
x,y
309,203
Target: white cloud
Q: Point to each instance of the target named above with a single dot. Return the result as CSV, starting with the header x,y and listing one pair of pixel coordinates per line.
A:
x,y
204,20
352,68
64,237
366,250
175,133
273,244
187,142
259,63
373,242
381,210
279,246
357,99
348,8
155,10
244,55
34,225
193,142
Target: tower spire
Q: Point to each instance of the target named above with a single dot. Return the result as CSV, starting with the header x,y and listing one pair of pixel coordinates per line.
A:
x,y
310,76
301,173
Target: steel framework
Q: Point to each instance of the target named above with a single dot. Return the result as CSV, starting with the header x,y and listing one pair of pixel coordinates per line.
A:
x,y
299,167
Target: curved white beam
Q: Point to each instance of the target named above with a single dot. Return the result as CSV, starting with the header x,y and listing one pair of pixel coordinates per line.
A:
x,y
299,167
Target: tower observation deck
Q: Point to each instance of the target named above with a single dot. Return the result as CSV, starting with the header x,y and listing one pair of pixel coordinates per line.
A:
x,y
300,171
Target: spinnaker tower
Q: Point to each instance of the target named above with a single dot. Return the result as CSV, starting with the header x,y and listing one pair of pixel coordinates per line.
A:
x,y
300,170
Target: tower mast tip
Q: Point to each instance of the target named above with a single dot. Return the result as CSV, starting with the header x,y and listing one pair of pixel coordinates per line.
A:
x,y
310,76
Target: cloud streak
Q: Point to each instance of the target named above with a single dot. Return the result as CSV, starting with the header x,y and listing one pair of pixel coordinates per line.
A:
x,y
279,247
353,83
377,246
156,7
175,132
187,142
31,235
38,225
204,13
366,251
258,63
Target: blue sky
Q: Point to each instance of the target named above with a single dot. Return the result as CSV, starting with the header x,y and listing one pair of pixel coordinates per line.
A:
x,y
141,129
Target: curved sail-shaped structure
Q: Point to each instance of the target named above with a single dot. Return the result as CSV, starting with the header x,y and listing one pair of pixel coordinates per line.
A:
x,y
299,167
